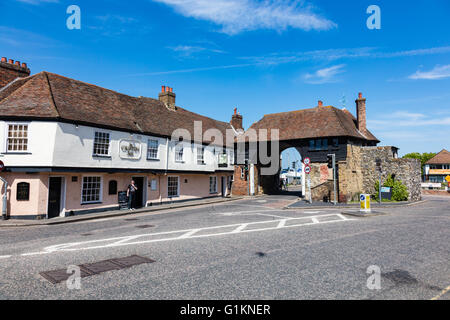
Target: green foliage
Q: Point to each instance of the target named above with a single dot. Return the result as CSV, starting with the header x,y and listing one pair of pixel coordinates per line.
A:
x,y
423,157
399,190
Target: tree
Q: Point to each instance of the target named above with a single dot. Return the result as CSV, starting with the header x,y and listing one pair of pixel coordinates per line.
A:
x,y
423,157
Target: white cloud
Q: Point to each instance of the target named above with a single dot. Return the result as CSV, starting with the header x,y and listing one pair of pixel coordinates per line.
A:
x,y
326,75
408,119
438,72
343,53
188,51
235,16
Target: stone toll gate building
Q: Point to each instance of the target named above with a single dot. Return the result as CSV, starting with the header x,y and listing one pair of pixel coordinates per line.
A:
x,y
322,130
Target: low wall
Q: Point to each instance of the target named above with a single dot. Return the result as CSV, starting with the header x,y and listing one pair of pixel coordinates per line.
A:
x,y
358,174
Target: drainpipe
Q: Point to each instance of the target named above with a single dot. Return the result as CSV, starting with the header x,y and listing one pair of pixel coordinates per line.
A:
x,y
5,199
167,155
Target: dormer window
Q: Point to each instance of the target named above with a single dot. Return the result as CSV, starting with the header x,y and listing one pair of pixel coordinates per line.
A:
x,y
179,150
101,144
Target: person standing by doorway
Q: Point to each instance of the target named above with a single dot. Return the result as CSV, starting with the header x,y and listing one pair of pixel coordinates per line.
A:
x,y
131,194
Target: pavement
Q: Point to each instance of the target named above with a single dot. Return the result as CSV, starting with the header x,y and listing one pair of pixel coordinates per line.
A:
x,y
250,248
112,213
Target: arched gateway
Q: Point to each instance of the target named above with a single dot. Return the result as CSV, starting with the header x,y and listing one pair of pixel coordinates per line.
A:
x,y
316,133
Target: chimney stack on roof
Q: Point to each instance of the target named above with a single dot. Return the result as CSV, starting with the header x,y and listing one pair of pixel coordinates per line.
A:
x,y
236,121
10,70
361,113
320,103
167,97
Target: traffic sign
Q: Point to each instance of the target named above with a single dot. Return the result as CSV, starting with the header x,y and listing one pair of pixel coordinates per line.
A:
x,y
307,161
447,178
365,202
307,169
2,166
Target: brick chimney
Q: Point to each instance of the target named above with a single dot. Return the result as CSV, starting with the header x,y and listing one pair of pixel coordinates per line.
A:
x,y
10,71
236,120
361,113
167,97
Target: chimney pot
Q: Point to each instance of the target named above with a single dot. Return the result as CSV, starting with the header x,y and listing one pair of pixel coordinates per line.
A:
x,y
167,97
24,65
320,103
11,61
17,63
4,59
236,120
360,96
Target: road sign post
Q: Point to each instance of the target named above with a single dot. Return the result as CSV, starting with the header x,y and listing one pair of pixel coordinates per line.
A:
x,y
5,193
332,157
307,170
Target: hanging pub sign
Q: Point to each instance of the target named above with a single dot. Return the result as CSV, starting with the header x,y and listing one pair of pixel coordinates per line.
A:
x,y
130,149
223,160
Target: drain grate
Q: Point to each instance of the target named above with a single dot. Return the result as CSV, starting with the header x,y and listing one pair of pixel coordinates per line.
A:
x,y
145,226
91,269
86,234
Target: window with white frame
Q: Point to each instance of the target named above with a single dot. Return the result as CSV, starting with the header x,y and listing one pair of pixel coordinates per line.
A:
x,y
179,152
173,187
213,184
17,140
91,190
152,149
201,155
101,144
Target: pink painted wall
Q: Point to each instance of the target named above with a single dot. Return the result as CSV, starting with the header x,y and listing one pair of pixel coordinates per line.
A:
x,y
197,186
37,204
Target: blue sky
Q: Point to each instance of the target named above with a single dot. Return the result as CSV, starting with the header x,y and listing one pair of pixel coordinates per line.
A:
x,y
260,56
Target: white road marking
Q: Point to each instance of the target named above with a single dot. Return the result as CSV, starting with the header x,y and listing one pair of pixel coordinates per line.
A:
x,y
237,213
190,234
282,224
240,228
5,257
271,215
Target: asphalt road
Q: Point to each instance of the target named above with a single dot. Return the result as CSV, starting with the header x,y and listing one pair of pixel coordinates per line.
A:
x,y
247,249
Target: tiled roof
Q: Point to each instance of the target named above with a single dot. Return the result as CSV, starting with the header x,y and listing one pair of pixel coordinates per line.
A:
x,y
442,157
51,96
313,123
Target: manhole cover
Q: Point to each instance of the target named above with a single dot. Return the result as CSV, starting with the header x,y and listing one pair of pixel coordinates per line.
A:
x,y
90,269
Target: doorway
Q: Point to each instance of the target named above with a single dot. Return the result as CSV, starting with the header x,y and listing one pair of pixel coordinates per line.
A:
x,y
224,187
54,197
139,198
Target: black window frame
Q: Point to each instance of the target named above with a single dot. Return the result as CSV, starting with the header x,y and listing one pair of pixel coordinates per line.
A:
x,y
19,193
112,184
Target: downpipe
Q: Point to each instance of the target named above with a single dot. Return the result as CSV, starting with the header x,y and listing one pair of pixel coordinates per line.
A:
x,y
4,199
